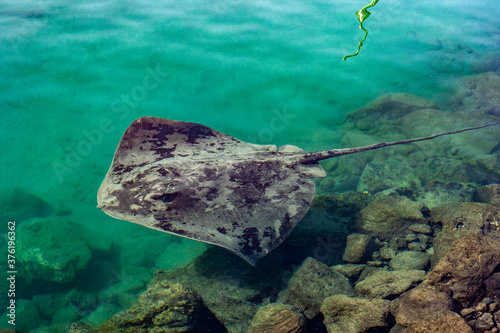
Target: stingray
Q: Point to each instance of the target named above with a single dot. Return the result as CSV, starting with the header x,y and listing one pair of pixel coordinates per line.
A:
x,y
193,181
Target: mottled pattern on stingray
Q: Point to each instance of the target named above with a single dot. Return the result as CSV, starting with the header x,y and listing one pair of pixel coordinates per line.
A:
x,y
190,180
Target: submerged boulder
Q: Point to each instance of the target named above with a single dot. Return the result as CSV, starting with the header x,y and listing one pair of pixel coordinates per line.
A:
x,y
230,288
355,315
390,106
278,318
464,269
389,284
19,205
442,321
51,249
438,193
489,194
389,216
462,220
393,174
419,304
164,307
478,93
311,283
408,260
359,248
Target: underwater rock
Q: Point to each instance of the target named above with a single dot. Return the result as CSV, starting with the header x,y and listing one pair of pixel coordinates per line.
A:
x,y
389,284
51,249
484,169
419,304
57,328
416,246
398,243
341,205
137,251
410,260
326,185
358,248
436,193
489,194
386,217
102,314
27,310
485,322
421,228
351,271
230,287
462,220
80,327
478,93
368,271
386,253
48,304
324,229
66,314
163,307
390,106
278,318
493,284
442,321
116,291
311,283
354,315
465,267
385,175
19,205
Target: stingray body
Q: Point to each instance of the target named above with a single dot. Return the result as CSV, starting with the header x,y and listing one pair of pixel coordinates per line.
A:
x,y
192,181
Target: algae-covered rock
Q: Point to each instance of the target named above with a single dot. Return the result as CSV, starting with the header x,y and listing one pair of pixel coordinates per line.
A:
x,y
163,307
409,260
489,194
102,314
418,304
311,283
484,169
389,216
389,174
19,205
278,318
354,315
51,249
351,271
462,220
463,270
27,310
230,288
359,248
437,193
389,284
478,93
81,327
66,314
391,106
421,228
442,321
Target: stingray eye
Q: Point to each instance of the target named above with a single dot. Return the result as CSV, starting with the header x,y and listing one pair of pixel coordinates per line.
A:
x,y
165,197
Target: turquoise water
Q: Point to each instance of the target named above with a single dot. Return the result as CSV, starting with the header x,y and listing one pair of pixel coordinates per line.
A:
x,y
75,74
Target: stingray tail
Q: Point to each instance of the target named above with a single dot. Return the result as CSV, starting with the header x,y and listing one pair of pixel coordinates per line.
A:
x,y
323,155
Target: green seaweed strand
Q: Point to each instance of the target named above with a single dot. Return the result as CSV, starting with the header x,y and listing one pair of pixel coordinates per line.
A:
x,y
362,14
